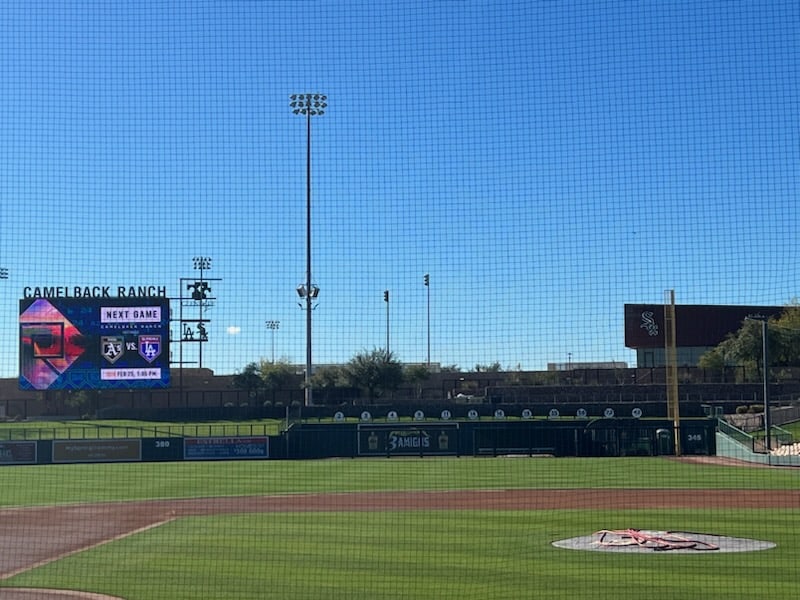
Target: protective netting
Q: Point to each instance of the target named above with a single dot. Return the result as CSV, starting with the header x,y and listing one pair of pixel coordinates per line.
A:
x,y
488,185
543,163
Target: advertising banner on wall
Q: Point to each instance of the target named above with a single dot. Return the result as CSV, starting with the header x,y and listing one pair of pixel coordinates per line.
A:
x,y
17,453
94,451
93,343
226,448
400,439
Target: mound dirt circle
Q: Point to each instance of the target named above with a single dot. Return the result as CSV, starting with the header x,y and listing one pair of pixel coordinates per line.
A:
x,y
642,541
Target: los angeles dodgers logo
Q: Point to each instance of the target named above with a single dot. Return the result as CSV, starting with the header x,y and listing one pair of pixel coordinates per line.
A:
x,y
149,347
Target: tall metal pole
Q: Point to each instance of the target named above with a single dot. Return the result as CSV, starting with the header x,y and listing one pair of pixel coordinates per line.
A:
x,y
200,324
765,360
180,342
386,299
427,281
309,400
308,105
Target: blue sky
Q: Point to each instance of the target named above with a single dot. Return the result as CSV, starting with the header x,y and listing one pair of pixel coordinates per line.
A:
x,y
545,162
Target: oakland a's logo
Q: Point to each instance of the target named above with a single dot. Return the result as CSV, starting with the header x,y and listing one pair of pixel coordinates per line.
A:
x,y
149,347
112,347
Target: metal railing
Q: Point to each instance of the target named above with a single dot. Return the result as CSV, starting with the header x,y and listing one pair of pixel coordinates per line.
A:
x,y
755,443
743,438
98,432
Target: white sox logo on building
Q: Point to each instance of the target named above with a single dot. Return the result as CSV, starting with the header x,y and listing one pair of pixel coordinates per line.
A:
x,y
649,323
112,347
149,347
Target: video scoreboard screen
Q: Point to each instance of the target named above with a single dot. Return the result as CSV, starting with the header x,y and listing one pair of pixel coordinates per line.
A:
x,y
93,343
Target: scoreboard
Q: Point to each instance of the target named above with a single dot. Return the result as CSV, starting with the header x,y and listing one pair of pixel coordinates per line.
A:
x,y
93,343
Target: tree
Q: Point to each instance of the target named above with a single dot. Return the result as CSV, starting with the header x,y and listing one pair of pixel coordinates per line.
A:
x,y
263,376
375,373
274,375
415,375
713,360
741,348
745,346
77,399
249,380
325,381
785,337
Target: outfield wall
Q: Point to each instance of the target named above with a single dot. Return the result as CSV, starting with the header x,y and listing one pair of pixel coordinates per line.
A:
x,y
592,437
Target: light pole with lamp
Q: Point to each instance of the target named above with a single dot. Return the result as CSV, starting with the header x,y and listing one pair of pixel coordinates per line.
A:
x,y
309,105
386,299
272,326
427,281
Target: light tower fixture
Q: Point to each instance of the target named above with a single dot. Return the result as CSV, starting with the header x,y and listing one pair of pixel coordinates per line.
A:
x,y
272,326
311,292
201,263
308,105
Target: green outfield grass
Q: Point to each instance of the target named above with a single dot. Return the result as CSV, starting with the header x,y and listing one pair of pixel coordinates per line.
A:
x,y
420,555
51,484
793,428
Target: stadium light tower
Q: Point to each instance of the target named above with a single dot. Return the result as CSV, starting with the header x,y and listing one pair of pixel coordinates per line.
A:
x,y
386,299
427,281
272,326
309,105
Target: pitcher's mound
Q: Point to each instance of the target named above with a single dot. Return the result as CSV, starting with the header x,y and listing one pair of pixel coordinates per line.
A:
x,y
643,540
